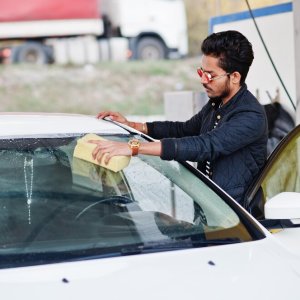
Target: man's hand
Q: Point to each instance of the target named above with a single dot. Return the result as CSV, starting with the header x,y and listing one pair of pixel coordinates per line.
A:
x,y
115,116
111,148
119,148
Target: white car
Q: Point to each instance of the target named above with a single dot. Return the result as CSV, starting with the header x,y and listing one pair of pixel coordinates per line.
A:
x,y
70,229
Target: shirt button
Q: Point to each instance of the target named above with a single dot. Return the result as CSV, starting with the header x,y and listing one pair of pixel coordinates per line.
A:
x,y
218,117
213,104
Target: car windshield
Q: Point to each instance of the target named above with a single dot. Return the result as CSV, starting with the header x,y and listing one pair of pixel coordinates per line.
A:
x,y
54,207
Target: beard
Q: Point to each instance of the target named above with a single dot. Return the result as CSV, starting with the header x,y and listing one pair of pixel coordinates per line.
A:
x,y
225,91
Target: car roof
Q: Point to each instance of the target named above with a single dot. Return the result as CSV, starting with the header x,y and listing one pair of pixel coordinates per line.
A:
x,y
28,124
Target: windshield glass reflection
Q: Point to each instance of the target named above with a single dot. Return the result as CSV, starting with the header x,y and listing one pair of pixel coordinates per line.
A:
x,y
54,203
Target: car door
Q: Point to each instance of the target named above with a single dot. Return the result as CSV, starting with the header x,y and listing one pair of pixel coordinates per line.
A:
x,y
280,178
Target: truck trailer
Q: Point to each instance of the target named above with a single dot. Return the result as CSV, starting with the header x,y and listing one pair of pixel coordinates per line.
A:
x,y
81,31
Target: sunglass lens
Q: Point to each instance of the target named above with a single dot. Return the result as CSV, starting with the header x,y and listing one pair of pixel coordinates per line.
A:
x,y
200,73
203,75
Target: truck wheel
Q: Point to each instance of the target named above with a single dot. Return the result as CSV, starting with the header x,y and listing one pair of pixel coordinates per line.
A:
x,y
14,54
34,53
151,49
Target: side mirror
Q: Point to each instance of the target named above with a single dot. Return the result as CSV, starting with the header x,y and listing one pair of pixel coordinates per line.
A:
x,y
285,205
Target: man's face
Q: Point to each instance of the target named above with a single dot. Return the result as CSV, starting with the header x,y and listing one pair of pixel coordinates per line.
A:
x,y
219,86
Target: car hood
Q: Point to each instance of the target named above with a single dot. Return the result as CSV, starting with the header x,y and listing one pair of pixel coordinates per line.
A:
x,y
252,270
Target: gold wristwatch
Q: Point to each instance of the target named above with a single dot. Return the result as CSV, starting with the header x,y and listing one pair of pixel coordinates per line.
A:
x,y
134,145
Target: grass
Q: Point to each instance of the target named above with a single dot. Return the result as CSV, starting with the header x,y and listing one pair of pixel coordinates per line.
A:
x,y
135,88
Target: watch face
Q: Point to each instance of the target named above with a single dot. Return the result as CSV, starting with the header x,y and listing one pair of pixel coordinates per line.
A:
x,y
134,144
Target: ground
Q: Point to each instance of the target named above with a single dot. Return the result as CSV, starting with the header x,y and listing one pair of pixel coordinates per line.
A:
x,y
134,88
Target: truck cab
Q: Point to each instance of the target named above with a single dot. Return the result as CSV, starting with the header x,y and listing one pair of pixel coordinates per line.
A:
x,y
156,29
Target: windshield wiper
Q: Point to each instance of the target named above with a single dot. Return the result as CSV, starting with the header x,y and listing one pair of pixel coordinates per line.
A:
x,y
29,259
175,245
216,242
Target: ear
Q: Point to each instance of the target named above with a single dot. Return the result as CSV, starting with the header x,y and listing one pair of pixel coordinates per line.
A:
x,y
235,77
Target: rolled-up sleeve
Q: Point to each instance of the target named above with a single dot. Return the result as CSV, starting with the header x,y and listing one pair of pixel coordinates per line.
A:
x,y
169,148
168,129
235,133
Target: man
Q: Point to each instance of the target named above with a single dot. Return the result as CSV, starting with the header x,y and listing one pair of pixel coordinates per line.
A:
x,y
227,138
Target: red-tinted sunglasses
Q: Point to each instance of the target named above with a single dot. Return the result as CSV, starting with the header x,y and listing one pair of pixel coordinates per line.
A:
x,y
207,76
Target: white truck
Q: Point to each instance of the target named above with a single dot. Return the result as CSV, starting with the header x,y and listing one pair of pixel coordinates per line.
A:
x,y
81,31
277,29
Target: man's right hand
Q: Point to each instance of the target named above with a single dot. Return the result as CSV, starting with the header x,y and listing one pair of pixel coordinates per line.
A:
x,y
115,116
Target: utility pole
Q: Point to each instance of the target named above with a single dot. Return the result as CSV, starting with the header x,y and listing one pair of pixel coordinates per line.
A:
x,y
296,12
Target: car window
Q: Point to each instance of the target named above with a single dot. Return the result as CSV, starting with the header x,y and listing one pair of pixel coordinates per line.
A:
x,y
283,173
54,207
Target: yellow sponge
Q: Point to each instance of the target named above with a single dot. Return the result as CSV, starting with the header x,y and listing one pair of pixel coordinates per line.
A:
x,y
84,149
89,175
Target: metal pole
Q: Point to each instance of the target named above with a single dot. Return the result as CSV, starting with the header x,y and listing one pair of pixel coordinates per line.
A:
x,y
296,12
173,200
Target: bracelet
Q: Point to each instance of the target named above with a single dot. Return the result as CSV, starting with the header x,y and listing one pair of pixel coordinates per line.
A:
x,y
144,128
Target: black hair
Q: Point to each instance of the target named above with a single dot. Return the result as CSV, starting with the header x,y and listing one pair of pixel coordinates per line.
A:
x,y
234,51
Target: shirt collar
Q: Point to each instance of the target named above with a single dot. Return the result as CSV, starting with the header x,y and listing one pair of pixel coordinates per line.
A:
x,y
215,102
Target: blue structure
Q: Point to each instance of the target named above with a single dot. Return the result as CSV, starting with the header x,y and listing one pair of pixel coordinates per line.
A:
x,y
260,12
